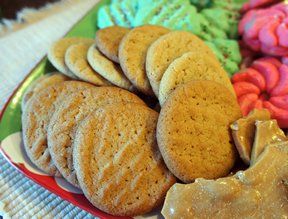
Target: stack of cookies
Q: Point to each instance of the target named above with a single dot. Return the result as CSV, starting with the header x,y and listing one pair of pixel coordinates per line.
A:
x,y
100,139
106,141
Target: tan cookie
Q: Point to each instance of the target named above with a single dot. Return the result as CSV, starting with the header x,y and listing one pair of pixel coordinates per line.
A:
x,y
56,53
108,40
40,84
108,69
166,49
192,66
36,117
193,131
117,161
76,61
132,54
63,124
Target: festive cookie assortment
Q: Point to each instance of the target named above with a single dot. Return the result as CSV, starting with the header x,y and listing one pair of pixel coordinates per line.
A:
x,y
94,121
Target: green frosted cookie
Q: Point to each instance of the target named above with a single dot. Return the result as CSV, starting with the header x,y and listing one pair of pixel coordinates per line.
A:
x,y
105,18
228,53
208,31
231,67
179,15
230,48
218,17
197,24
145,14
118,15
191,21
144,3
169,10
215,32
223,19
129,9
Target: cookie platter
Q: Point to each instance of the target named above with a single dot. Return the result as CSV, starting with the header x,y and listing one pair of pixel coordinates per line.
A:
x,y
158,108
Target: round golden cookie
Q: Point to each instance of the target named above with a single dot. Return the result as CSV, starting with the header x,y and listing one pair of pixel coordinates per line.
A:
x,y
166,49
65,120
117,161
193,131
132,54
107,69
76,61
108,40
56,53
192,66
40,84
36,117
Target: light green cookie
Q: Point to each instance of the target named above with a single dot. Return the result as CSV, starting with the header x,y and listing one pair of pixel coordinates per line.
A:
x,y
231,5
105,18
195,23
178,16
166,12
145,14
223,19
228,53
145,3
129,9
218,17
215,32
229,48
119,16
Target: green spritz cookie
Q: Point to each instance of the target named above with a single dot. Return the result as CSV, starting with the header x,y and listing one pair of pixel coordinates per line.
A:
x,y
105,18
146,13
119,16
166,12
228,53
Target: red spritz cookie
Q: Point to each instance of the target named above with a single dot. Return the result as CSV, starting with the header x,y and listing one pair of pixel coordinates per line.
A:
x,y
264,85
266,30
